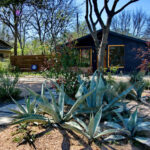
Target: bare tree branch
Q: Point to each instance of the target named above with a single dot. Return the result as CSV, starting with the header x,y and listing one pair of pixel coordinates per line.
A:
x,y
98,15
123,7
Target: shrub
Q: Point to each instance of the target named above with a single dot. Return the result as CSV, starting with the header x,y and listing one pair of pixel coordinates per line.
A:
x,y
147,84
144,56
70,82
8,88
137,79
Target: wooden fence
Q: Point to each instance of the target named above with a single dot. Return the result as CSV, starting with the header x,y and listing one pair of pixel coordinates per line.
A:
x,y
25,63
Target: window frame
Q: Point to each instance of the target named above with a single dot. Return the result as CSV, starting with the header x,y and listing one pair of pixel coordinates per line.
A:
x,y
109,54
90,52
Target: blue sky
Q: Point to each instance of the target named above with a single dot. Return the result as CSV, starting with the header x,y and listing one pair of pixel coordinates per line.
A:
x,y
141,4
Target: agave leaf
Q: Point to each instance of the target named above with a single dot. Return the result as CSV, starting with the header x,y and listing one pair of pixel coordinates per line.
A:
x,y
55,106
69,101
76,105
100,91
32,106
143,124
80,91
122,119
132,122
115,138
19,106
118,98
42,90
16,112
113,125
85,111
55,114
82,124
31,118
58,87
61,101
109,131
91,126
80,80
119,110
27,101
72,124
52,96
88,100
83,90
138,129
139,90
50,109
97,119
75,127
40,98
143,140
93,84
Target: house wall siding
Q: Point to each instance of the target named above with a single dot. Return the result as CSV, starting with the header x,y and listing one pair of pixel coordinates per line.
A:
x,y
131,62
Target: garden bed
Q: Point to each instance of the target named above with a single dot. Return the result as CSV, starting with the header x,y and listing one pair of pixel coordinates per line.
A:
x,y
56,140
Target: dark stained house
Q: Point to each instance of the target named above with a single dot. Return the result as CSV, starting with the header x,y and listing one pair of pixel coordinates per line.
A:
x,y
5,50
121,51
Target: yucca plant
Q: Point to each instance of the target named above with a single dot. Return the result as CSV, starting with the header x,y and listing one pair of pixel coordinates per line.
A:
x,y
55,107
101,96
133,126
92,131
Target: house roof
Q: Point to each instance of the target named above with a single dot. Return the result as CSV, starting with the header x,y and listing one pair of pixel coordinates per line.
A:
x,y
115,34
4,45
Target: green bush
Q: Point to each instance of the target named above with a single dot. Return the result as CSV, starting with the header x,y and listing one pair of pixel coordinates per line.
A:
x,y
137,80
4,65
147,84
70,82
8,88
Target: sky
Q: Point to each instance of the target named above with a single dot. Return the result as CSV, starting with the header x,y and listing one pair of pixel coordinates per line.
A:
x,y
141,4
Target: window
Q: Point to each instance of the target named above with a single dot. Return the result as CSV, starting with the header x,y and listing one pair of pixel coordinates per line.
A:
x,y
85,57
116,55
1,55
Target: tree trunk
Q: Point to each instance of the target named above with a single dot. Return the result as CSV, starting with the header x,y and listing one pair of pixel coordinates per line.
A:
x,y
101,49
16,32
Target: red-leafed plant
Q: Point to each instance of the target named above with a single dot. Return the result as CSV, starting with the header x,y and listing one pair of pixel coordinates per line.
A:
x,y
144,55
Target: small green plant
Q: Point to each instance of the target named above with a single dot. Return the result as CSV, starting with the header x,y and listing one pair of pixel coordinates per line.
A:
x,y
133,126
137,79
17,139
147,84
114,70
110,79
8,87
